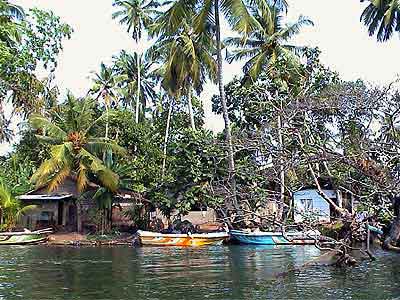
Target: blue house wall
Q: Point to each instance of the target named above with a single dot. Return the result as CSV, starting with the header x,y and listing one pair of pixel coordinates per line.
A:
x,y
307,202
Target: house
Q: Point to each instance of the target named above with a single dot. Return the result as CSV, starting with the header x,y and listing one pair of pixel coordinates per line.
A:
x,y
308,202
59,208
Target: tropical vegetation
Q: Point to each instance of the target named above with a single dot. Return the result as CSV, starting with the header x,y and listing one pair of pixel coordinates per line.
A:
x,y
289,121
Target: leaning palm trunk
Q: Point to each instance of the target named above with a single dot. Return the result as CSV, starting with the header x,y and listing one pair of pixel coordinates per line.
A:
x,y
228,135
171,105
190,107
138,88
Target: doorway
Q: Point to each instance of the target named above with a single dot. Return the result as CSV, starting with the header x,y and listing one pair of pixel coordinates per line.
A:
x,y
60,213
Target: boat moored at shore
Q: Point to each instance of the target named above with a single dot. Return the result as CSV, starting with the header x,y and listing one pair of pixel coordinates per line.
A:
x,y
274,238
24,237
148,238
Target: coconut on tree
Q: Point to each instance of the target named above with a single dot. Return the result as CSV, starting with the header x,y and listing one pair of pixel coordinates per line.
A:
x,y
75,150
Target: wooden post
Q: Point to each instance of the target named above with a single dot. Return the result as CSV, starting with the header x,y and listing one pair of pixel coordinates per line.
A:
x,y
78,217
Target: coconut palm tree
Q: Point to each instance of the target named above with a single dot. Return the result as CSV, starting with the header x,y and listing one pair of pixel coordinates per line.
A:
x,y
382,17
105,86
105,83
186,63
264,47
137,16
267,49
126,66
75,151
205,15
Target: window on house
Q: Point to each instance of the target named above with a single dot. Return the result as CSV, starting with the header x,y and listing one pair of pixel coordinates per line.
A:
x,y
46,216
198,207
307,204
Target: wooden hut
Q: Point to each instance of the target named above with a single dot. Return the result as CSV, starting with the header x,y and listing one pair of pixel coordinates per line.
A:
x,y
65,209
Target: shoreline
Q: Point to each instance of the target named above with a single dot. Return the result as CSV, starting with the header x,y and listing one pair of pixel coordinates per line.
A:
x,y
77,239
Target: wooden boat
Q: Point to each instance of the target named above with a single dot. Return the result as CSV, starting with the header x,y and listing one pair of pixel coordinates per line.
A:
x,y
24,237
171,239
274,238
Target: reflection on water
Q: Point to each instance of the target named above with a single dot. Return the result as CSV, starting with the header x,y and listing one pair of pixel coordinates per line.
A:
x,y
235,272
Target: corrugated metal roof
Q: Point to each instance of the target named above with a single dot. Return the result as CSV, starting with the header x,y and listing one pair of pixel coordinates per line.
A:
x,y
44,197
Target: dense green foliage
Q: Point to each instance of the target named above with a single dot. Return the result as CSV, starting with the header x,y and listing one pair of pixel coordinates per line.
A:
x,y
11,209
27,42
289,120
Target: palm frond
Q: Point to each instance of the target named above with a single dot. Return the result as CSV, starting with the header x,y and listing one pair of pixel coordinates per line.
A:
x,y
51,129
60,157
107,177
59,178
204,17
239,16
294,29
102,145
82,178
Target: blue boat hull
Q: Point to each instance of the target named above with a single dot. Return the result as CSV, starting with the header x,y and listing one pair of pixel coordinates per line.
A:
x,y
267,238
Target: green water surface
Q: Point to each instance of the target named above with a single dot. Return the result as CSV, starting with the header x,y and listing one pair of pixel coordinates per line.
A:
x,y
220,272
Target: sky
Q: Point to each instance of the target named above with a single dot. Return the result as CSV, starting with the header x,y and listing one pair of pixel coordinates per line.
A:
x,y
343,40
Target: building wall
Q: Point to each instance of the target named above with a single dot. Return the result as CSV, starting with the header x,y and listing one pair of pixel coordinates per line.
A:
x,y
45,213
320,207
119,219
195,217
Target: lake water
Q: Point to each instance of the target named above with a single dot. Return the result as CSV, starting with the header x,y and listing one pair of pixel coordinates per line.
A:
x,y
220,272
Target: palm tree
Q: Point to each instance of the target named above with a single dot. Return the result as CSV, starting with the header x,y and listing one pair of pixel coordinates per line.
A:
x,y
105,84
127,68
382,17
75,151
186,63
268,44
207,20
265,48
104,197
137,16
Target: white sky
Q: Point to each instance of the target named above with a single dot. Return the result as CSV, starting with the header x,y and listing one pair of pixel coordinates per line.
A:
x,y
345,44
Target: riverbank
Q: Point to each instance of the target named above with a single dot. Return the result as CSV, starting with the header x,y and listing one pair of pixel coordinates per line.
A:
x,y
77,239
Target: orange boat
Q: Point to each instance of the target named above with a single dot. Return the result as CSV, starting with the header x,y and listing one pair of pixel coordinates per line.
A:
x,y
148,238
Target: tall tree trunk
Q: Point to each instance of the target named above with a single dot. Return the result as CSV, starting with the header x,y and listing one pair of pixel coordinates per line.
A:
x,y
393,237
138,88
171,105
228,134
190,107
281,161
107,121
